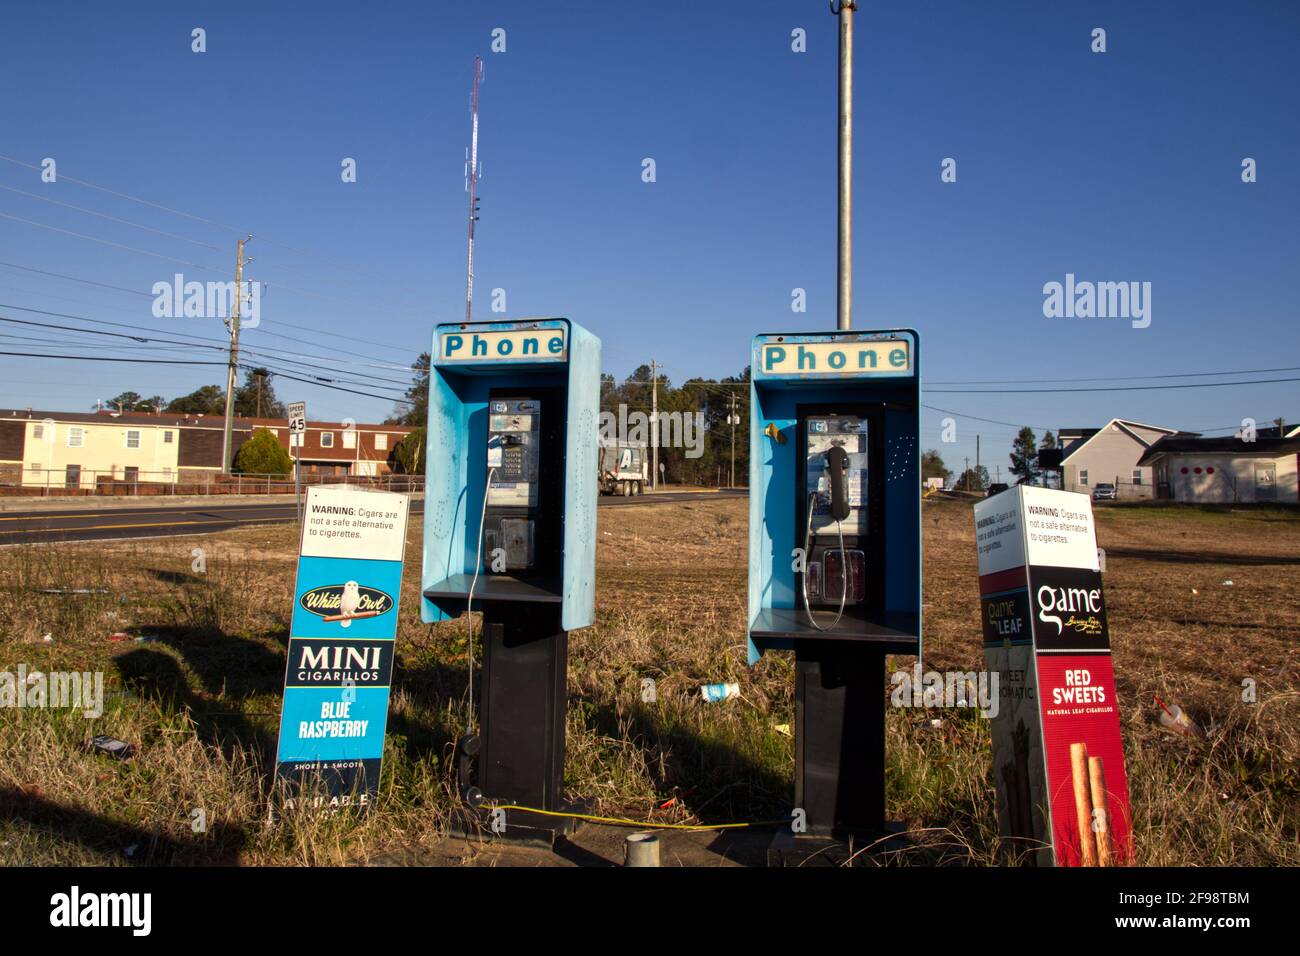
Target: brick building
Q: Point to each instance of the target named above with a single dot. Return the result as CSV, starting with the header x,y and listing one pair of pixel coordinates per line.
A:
x,y
81,449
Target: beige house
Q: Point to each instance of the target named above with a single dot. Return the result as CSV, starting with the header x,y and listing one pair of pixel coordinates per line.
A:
x,y
1110,455
71,450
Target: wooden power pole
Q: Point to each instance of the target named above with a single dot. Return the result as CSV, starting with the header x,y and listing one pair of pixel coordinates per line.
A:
x,y
233,365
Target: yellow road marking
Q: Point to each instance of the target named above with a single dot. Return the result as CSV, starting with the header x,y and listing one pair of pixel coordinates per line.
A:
x,y
96,512
153,524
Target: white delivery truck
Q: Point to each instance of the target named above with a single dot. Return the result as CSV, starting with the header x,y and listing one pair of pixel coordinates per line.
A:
x,y
623,468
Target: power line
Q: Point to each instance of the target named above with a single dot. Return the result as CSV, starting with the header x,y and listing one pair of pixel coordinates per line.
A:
x,y
107,242
60,275
991,421
1113,388
113,192
109,358
101,215
196,218
82,318
321,383
268,350
1115,378
114,288
185,262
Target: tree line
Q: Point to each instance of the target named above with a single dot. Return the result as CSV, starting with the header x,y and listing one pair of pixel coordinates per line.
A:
x,y
635,393
255,398
712,398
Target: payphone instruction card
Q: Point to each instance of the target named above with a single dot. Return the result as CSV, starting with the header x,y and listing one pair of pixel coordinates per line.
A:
x,y
341,639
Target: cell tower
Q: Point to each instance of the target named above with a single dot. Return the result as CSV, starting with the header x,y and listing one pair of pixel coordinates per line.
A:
x,y
472,172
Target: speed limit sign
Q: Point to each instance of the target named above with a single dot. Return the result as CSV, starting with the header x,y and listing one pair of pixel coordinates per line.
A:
x,y
297,418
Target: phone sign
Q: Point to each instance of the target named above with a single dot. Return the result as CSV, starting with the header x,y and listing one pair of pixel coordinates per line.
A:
x,y
503,345
837,358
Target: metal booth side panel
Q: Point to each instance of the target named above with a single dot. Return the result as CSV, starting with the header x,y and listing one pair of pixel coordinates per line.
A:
x,y
580,492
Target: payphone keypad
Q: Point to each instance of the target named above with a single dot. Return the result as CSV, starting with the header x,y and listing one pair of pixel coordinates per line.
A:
x,y
514,449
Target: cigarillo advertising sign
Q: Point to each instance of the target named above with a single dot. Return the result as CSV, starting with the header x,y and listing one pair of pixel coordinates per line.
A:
x,y
1057,755
341,639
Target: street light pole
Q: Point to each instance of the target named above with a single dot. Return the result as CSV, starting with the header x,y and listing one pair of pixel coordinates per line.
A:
x,y
845,297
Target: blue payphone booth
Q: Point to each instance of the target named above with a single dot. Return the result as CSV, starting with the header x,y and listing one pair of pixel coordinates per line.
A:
x,y
510,529
835,550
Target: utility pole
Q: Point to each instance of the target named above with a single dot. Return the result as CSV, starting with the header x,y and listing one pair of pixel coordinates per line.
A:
x,y
977,454
966,471
233,325
654,423
471,185
845,299
734,419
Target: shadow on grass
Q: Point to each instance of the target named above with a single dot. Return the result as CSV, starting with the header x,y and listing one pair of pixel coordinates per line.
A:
x,y
176,577
1162,556
434,731
158,676
714,780
220,845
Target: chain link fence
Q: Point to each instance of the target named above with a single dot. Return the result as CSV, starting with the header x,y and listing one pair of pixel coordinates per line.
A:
x,y
79,482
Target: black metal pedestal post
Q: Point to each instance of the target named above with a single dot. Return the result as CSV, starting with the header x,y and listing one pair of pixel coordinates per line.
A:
x,y
839,750
521,759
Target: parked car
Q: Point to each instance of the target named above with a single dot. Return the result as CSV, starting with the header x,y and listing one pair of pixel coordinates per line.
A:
x,y
1104,491
995,489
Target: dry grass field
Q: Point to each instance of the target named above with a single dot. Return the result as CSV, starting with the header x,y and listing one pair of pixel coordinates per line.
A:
x,y
196,684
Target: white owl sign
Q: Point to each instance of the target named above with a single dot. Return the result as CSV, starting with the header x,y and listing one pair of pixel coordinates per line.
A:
x,y
349,601
341,637
342,603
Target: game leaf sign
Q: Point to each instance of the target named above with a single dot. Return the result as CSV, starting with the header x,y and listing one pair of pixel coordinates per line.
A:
x,y
1057,755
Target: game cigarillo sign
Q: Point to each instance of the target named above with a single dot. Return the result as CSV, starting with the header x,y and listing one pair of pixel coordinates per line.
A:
x,y
1058,759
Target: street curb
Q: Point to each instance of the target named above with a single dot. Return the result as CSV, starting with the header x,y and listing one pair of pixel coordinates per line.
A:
x,y
121,502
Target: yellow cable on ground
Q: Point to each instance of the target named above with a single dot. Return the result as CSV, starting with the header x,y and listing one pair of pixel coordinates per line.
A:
x,y
619,821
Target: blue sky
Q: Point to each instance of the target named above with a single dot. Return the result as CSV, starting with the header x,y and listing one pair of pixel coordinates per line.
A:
x,y
1118,166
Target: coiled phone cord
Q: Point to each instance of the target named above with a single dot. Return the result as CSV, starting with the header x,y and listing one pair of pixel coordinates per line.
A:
x,y
469,601
844,569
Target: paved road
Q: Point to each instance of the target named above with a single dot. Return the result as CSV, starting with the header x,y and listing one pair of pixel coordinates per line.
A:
x,y
18,527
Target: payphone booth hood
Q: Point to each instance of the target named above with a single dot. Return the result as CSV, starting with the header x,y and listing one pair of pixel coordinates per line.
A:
x,y
468,361
878,369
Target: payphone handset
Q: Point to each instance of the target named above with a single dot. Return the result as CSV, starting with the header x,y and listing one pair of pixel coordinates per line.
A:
x,y
836,483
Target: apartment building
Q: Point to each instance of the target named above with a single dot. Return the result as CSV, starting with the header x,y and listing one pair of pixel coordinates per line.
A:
x,y
79,450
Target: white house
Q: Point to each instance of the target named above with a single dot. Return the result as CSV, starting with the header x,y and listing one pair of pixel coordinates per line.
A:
x,y
1226,470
